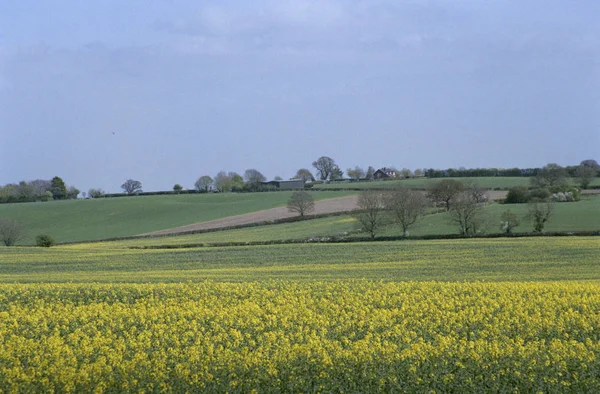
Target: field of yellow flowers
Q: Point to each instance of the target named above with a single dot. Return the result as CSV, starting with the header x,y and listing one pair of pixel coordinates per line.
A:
x,y
289,336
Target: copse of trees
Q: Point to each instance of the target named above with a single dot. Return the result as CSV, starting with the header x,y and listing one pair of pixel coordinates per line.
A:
x,y
37,190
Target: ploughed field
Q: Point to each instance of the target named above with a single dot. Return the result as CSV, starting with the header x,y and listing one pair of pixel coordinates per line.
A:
x,y
287,336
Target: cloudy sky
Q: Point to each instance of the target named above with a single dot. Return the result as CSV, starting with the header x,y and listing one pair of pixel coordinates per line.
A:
x,y
164,91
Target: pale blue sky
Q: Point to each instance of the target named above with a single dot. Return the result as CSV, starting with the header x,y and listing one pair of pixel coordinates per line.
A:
x,y
194,87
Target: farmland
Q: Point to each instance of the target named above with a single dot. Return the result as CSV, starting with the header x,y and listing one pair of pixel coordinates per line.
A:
x,y
296,337
83,220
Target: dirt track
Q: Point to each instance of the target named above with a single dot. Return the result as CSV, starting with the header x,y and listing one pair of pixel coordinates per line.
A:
x,y
340,204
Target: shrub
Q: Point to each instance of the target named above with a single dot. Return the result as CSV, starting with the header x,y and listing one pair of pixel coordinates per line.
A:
x,y
44,241
517,195
539,194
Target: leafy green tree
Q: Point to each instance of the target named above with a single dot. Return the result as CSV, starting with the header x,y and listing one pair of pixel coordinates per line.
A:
x,y
324,166
445,192
370,173
177,188
517,195
72,193
58,188
132,186
585,174
356,173
550,176
539,213
305,175
204,183
508,222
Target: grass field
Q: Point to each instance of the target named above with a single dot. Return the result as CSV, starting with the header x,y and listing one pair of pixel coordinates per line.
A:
x,y
424,183
507,259
583,215
81,220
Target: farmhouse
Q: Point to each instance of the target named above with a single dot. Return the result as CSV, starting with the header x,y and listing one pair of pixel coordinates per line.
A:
x,y
293,184
385,173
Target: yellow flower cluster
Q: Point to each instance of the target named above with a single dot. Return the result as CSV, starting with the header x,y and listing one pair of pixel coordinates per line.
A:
x,y
345,336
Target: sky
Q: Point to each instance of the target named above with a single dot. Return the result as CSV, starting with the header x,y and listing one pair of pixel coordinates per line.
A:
x,y
165,91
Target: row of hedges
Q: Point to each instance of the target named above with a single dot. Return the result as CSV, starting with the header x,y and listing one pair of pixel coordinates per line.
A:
x,y
337,239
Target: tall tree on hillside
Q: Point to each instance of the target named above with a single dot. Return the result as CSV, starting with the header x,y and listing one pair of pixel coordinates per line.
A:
x,y
371,211
405,206
301,202
204,183
305,175
585,174
324,166
132,186
355,173
254,179
58,188
445,191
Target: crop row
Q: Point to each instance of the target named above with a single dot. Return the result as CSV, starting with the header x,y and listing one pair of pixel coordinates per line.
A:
x,y
345,336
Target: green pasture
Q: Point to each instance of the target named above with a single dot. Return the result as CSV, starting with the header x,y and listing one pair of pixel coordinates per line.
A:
x,y
424,183
86,220
503,259
578,216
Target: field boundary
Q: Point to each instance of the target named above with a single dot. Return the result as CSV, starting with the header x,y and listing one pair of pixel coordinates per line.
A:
x,y
343,239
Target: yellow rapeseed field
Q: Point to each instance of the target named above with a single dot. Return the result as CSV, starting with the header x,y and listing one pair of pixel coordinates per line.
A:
x,y
286,336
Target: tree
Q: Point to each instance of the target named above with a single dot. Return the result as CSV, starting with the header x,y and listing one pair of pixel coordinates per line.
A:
x,y
58,188
371,211
278,178
305,175
11,232
356,173
96,193
336,173
204,183
72,193
406,173
585,174
508,222
590,163
236,182
551,176
254,179
445,192
467,213
418,173
539,213
325,166
41,186
301,202
222,181
370,173
44,241
131,186
405,206
177,188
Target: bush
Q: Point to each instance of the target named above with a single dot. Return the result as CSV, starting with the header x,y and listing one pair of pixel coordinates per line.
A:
x,y
44,241
539,194
517,195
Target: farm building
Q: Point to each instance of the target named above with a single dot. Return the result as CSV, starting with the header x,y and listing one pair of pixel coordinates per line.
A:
x,y
385,173
293,184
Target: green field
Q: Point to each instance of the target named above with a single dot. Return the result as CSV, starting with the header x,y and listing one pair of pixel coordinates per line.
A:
x,y
580,216
424,183
86,220
506,259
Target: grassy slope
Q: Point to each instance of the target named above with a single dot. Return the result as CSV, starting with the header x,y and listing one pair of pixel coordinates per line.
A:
x,y
485,182
583,215
78,220
505,259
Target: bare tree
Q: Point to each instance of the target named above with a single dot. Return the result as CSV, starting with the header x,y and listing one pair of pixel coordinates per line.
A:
x,y
405,206
508,221
585,174
467,213
355,173
254,179
371,211
325,166
406,173
539,213
96,193
418,172
445,191
305,175
301,202
204,183
11,232
222,181
131,186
